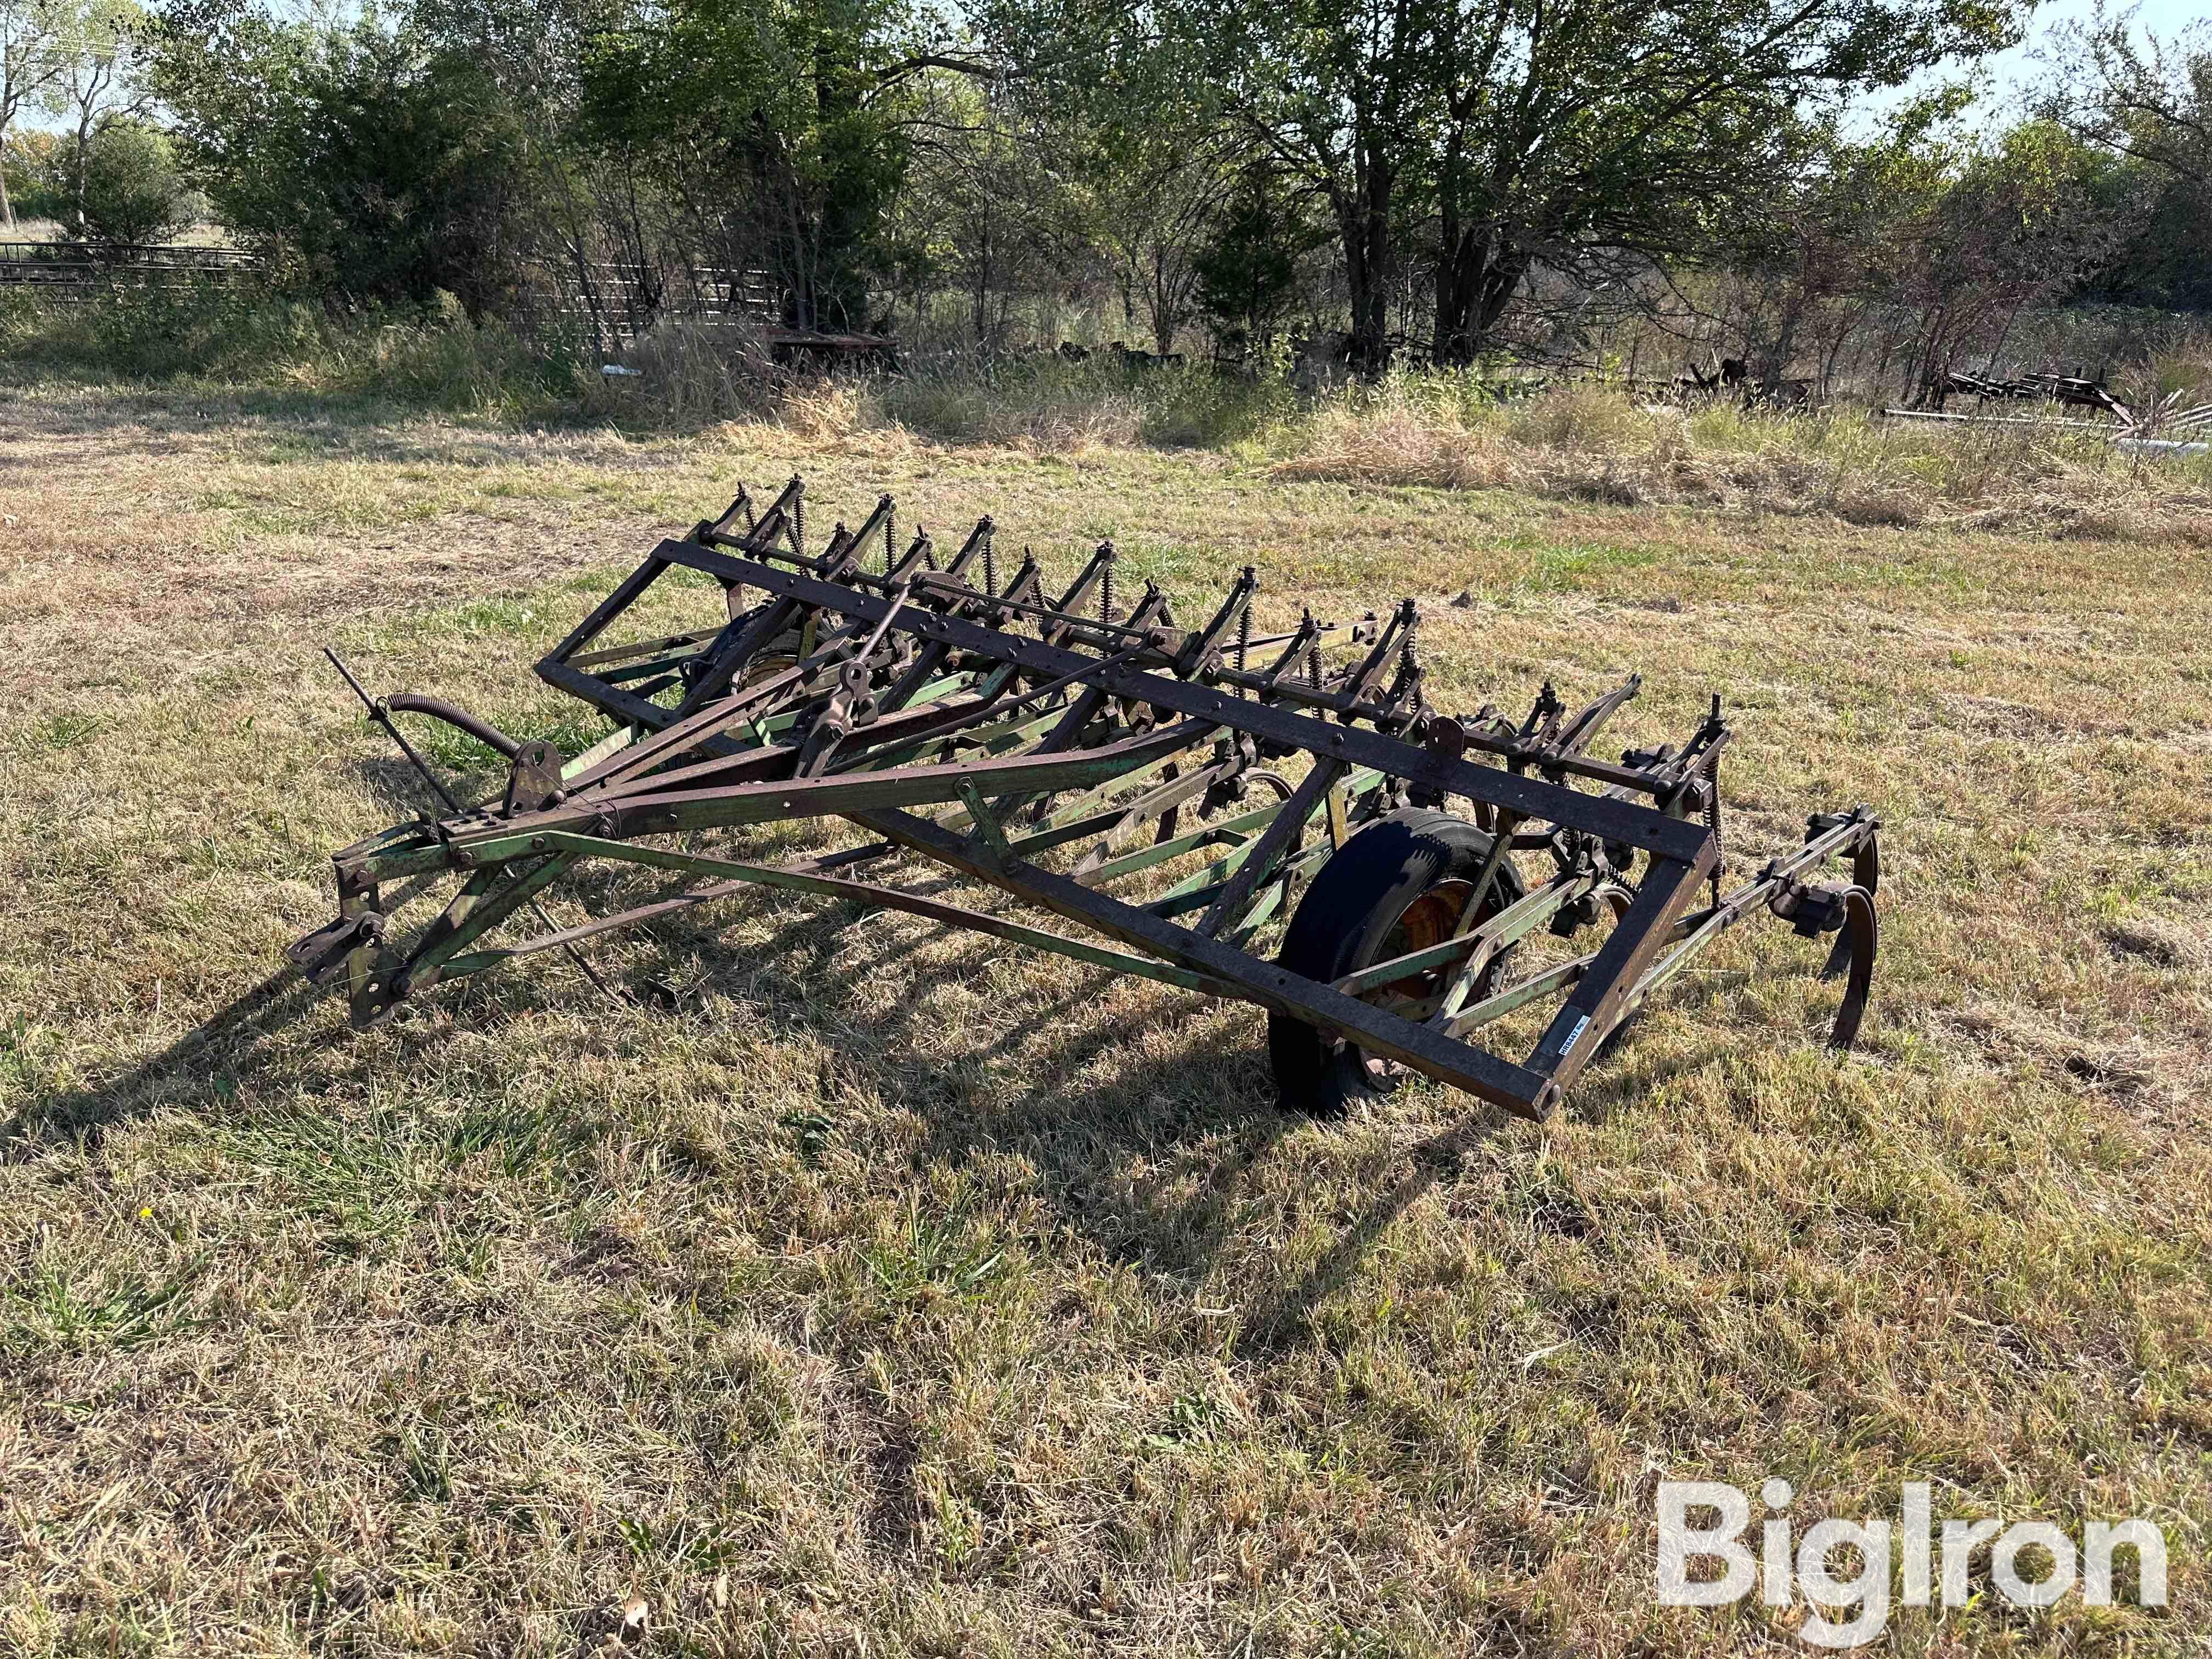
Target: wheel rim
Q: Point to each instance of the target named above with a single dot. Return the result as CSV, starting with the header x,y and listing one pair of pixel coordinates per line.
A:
x,y
1432,917
764,668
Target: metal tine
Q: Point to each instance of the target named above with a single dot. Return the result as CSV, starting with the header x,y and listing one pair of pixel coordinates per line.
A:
x,y
1027,582
879,518
1101,563
1406,681
977,546
759,541
950,583
1543,715
780,513
1308,632
786,515
918,554
1578,732
1371,668
1209,638
720,528
1669,764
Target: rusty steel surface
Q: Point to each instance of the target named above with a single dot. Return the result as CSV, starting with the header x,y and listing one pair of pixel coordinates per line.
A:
x,y
1264,818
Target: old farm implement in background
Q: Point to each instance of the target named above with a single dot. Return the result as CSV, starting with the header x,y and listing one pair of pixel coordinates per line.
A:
x,y
1261,816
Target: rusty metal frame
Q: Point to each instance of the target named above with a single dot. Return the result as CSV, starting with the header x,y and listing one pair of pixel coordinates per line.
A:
x,y
992,730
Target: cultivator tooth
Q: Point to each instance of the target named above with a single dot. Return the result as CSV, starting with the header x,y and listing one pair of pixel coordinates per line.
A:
x,y
318,955
1186,795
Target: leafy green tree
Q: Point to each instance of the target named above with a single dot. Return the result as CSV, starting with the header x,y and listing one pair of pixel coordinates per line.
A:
x,y
104,43
370,163
32,65
2147,100
1153,187
34,175
1496,135
777,129
1248,268
983,210
129,192
2023,223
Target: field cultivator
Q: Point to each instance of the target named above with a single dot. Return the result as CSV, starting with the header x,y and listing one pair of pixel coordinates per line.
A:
x,y
1263,817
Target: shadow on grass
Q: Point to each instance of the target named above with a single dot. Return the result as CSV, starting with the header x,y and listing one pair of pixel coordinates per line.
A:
x,y
1198,1115
204,1061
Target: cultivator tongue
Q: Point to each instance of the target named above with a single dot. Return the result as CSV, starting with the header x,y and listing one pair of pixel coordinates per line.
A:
x,y
1188,796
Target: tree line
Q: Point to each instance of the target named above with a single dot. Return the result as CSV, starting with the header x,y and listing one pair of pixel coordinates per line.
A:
x,y
1423,179
96,165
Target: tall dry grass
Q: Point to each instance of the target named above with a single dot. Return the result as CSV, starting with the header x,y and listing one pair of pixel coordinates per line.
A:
x,y
1455,431
686,372
1595,444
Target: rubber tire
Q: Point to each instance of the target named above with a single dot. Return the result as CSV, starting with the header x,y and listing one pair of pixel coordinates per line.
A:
x,y
1355,900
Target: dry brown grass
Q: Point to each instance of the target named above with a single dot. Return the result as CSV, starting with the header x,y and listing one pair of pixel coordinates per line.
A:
x,y
691,374
907,1294
1596,446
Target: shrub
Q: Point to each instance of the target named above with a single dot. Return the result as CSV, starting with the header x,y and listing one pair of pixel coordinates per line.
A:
x,y
133,192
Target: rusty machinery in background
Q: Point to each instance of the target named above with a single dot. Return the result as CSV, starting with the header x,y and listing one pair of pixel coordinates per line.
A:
x,y
1262,816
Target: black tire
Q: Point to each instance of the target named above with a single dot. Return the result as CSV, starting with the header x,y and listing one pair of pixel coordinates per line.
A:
x,y
1354,905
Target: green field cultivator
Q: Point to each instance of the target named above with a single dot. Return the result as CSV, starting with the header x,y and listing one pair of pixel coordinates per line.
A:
x,y
1281,818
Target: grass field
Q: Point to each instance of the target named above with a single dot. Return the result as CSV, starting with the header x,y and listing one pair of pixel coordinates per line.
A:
x,y
904,1293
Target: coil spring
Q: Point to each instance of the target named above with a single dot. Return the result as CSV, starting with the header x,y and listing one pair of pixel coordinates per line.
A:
x,y
1243,634
990,569
890,540
1713,822
1106,593
799,524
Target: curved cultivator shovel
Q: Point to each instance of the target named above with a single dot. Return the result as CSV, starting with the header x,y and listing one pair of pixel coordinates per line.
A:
x,y
1281,818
